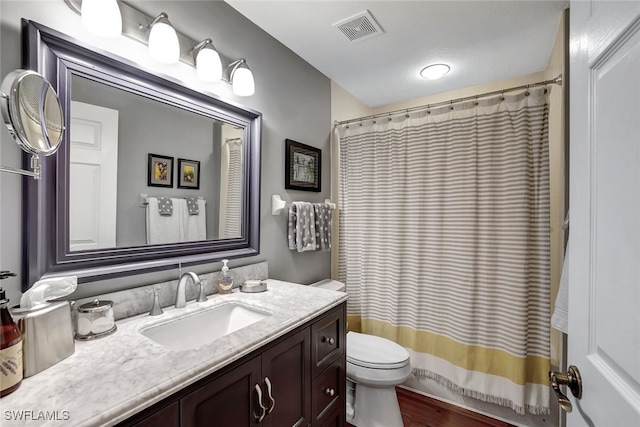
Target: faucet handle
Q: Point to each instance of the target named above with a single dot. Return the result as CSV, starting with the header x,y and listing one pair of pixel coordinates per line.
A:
x,y
156,310
202,297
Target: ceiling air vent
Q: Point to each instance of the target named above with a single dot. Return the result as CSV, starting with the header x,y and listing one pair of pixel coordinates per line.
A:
x,y
359,27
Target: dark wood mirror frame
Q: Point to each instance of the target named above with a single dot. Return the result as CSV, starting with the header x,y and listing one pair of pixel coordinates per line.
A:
x,y
46,209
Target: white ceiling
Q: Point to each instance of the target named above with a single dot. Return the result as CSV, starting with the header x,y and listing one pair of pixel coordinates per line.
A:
x,y
482,41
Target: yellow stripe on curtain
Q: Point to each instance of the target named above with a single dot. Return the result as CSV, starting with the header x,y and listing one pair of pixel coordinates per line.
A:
x,y
474,358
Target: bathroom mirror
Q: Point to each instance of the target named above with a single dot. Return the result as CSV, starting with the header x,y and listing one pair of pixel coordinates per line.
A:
x,y
159,138
33,115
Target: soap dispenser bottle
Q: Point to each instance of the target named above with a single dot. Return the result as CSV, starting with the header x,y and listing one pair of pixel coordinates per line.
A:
x,y
225,279
10,349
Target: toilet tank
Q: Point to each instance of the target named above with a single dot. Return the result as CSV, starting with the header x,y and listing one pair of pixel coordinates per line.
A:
x,y
333,285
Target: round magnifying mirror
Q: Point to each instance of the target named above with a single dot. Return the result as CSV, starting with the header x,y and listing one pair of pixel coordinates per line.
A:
x,y
32,112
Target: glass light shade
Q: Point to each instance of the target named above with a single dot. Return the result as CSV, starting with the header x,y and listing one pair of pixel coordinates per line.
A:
x,y
102,17
242,81
163,41
208,64
435,71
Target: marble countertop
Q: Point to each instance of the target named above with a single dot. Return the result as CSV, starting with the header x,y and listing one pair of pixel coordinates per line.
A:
x,y
112,378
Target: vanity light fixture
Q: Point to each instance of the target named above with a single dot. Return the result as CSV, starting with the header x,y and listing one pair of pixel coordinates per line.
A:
x,y
241,78
163,41
207,60
168,46
102,17
435,71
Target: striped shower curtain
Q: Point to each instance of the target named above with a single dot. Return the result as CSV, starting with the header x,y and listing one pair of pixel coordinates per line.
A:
x,y
444,242
231,188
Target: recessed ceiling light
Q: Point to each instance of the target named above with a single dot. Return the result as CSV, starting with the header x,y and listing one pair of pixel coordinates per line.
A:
x,y
435,71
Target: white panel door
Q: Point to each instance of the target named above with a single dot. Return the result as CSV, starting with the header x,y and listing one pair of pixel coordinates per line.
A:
x,y
604,268
93,179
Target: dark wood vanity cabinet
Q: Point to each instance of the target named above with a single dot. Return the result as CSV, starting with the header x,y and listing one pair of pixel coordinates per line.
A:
x,y
301,379
328,366
271,389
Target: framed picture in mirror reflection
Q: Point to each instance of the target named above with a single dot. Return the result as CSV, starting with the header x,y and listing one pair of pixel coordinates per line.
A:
x,y
189,174
160,171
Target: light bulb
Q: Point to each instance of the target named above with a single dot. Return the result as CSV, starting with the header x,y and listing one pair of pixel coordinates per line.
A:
x,y
208,64
242,80
102,17
163,41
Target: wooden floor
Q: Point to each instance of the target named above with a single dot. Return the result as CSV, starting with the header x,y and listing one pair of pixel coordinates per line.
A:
x,y
421,411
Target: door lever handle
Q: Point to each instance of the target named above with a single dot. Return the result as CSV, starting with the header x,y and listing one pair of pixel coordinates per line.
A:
x,y
571,379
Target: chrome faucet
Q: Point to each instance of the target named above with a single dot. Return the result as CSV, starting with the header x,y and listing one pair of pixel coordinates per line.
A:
x,y
181,292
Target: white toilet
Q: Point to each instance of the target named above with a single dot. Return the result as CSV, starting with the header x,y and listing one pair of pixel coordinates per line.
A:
x,y
375,366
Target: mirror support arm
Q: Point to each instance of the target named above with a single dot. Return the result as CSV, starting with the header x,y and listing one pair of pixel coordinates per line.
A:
x,y
35,165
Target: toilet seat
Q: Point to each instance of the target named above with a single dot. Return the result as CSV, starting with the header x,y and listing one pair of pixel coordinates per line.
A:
x,y
372,352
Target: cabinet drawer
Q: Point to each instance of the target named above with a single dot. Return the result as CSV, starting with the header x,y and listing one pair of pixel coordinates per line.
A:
x,y
327,340
328,391
334,419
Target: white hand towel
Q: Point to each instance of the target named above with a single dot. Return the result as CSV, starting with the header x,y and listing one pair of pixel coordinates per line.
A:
x,y
196,224
560,318
162,229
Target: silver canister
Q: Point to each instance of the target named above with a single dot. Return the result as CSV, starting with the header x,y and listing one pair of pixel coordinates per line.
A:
x,y
47,335
95,320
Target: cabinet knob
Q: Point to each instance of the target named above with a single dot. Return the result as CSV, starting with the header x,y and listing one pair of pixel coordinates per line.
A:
x,y
330,341
329,392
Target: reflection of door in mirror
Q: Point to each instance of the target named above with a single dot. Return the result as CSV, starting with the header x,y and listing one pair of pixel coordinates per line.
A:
x,y
93,177
231,182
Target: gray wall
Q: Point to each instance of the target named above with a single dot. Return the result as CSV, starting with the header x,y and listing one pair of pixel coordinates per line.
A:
x,y
293,97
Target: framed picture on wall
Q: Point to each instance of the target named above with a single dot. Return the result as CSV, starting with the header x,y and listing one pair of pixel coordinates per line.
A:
x,y
189,174
302,166
159,171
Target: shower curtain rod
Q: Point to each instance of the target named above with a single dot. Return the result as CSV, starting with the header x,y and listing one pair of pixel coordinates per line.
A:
x,y
557,80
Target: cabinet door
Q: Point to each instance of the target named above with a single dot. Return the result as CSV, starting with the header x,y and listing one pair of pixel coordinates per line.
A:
x,y
229,401
166,417
285,370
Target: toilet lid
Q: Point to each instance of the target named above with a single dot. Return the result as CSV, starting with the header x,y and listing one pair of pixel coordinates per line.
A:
x,y
370,351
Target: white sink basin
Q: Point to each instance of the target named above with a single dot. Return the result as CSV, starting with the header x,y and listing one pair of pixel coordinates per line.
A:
x,y
203,327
